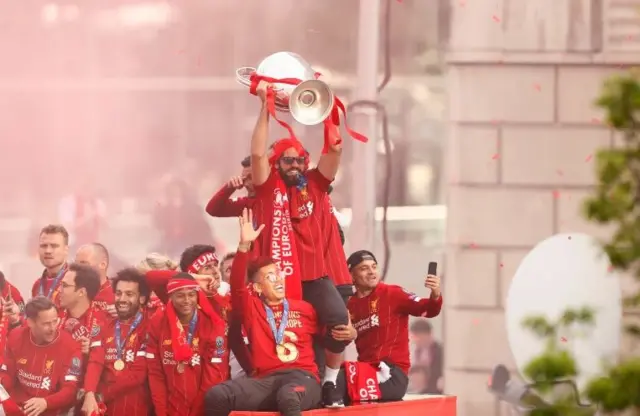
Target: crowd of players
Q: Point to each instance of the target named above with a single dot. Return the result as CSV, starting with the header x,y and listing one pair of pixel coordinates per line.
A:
x,y
262,330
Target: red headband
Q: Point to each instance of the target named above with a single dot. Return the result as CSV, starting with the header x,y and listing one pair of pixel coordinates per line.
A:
x,y
202,261
282,145
176,284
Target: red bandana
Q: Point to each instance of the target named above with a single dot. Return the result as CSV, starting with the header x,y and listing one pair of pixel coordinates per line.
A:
x,y
203,260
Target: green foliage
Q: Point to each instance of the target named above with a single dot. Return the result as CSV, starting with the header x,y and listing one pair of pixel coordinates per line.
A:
x,y
555,364
619,389
615,202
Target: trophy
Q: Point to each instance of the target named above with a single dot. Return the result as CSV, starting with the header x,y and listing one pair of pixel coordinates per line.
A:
x,y
296,87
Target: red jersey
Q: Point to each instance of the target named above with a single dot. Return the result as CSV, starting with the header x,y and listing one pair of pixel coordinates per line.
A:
x,y
123,392
49,285
382,322
105,297
176,393
88,325
296,352
154,304
48,371
8,292
222,205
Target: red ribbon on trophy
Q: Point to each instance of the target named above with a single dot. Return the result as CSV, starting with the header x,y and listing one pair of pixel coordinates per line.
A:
x,y
331,123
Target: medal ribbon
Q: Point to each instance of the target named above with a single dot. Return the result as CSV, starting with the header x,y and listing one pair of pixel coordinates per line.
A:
x,y
278,331
54,285
118,334
192,327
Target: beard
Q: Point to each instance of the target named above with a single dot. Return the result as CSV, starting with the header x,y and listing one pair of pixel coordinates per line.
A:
x,y
290,180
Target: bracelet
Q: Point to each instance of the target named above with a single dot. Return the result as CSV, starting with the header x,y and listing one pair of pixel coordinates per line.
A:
x,y
244,247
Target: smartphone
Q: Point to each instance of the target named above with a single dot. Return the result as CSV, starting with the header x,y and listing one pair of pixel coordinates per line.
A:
x,y
433,268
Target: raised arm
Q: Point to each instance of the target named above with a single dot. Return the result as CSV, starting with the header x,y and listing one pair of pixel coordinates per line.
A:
x,y
330,162
259,158
239,292
221,206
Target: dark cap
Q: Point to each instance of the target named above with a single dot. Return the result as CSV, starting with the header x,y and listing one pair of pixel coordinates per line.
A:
x,y
246,162
358,257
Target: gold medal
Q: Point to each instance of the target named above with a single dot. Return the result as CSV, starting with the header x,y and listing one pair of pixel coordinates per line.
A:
x,y
118,365
180,367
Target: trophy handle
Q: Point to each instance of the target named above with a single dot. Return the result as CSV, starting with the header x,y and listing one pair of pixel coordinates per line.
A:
x,y
243,75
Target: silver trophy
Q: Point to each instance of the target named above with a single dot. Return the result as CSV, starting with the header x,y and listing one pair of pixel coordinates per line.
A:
x,y
310,102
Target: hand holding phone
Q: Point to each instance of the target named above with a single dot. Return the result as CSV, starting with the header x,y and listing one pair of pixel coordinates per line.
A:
x,y
433,281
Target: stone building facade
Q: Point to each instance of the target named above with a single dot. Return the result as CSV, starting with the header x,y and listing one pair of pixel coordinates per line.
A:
x,y
523,76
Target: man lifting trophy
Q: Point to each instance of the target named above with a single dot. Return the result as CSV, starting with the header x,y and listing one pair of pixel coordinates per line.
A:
x,y
301,234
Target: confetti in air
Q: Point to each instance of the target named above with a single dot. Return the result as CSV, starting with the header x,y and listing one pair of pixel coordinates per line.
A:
x,y
588,158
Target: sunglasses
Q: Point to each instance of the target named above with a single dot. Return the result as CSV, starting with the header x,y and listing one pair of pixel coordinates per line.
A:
x,y
288,160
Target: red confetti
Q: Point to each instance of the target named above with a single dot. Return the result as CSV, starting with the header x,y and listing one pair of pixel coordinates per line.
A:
x,y
496,18
537,87
495,157
556,194
595,120
610,268
563,339
473,245
495,121
475,321
559,172
501,265
588,158
462,4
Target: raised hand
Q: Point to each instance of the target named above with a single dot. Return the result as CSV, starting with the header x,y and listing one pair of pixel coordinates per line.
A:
x,y
261,90
235,182
433,282
247,233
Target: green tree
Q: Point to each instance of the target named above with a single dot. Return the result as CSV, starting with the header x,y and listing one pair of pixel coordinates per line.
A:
x,y
616,203
555,364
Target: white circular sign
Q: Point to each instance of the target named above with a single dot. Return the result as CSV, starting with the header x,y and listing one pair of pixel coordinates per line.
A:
x,y
566,271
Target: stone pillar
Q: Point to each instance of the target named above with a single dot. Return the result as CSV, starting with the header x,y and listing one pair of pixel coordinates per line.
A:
x,y
523,76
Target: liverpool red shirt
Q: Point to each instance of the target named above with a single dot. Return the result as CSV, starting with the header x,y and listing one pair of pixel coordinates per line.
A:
x,y
308,217
222,205
296,352
105,299
182,394
49,286
382,322
48,371
124,392
88,325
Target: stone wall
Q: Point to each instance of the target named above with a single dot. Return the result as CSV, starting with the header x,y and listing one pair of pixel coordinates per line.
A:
x,y
523,131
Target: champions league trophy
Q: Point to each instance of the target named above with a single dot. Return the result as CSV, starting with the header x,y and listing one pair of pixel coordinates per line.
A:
x,y
296,87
